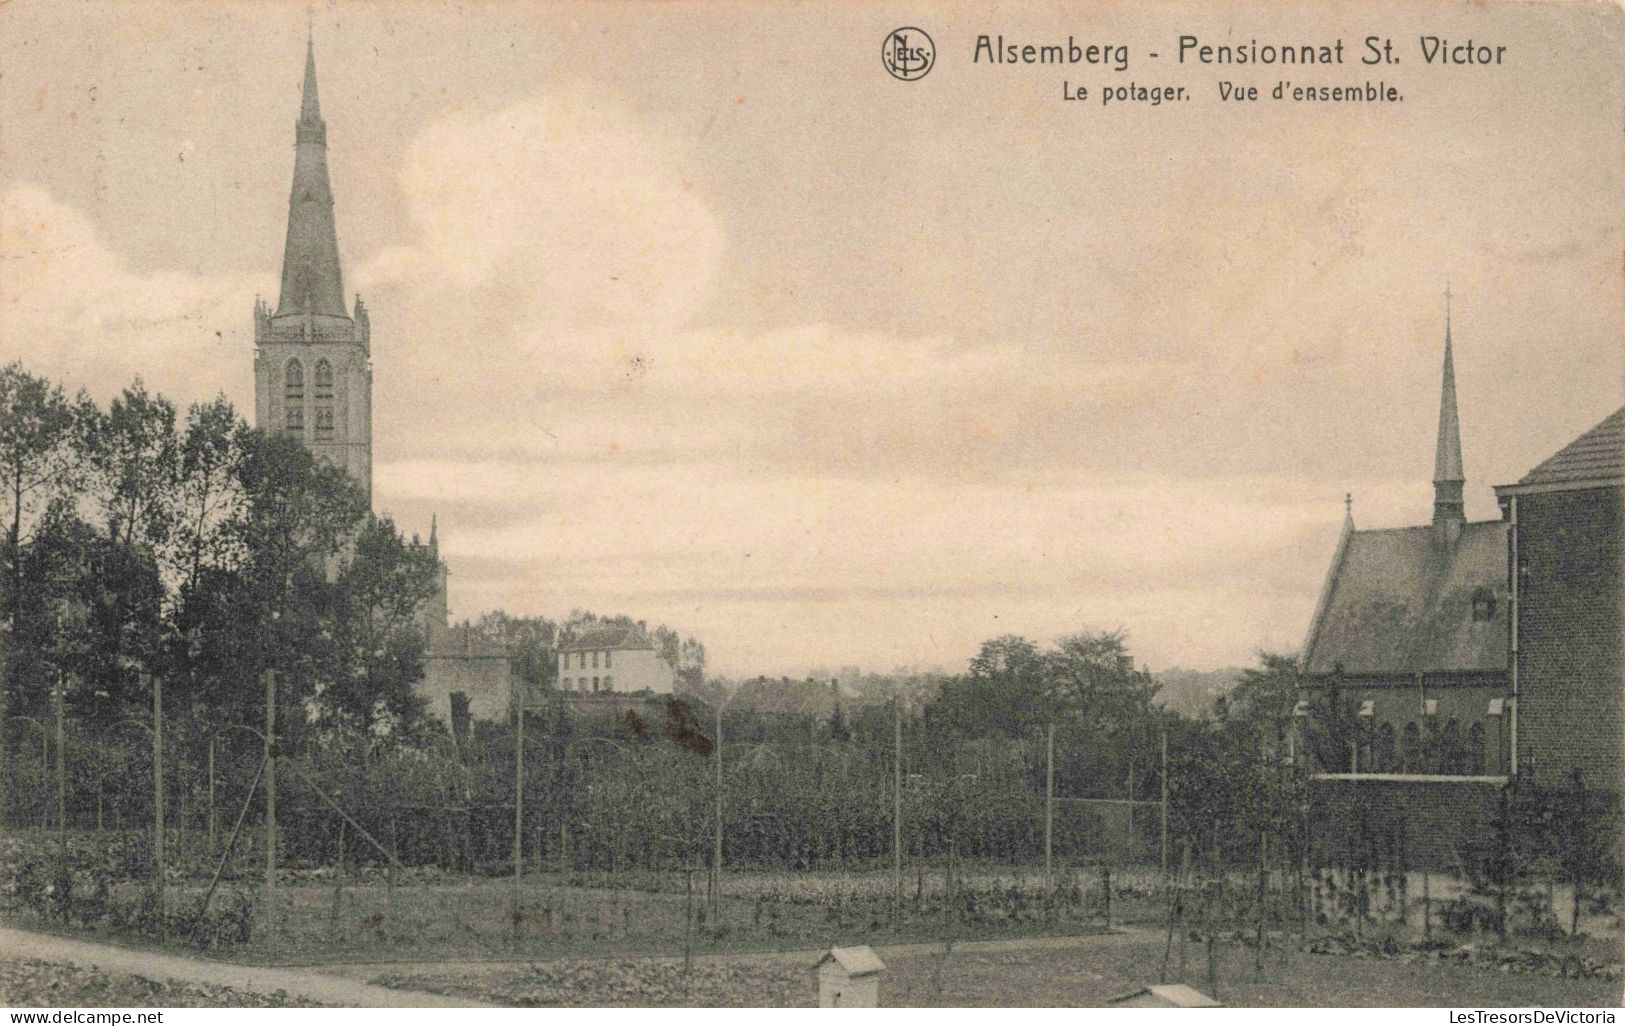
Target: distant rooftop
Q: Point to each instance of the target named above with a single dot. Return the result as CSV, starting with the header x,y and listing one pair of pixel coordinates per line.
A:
x,y
618,638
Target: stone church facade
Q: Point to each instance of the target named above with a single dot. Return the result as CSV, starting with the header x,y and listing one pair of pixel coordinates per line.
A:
x,y
313,381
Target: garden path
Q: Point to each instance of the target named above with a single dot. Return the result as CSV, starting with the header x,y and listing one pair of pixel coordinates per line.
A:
x,y
330,990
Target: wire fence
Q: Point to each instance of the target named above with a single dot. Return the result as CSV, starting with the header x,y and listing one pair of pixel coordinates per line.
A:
x,y
528,836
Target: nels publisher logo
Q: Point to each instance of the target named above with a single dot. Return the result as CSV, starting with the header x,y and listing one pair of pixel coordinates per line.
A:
x,y
908,53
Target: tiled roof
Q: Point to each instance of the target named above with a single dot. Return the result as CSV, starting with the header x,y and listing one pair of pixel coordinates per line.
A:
x,y
1599,453
463,641
1399,601
619,638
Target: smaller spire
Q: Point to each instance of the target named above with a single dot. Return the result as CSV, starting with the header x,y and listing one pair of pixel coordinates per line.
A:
x,y
434,533
1348,506
1448,475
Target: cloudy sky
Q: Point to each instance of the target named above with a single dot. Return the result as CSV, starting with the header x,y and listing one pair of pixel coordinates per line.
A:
x,y
690,311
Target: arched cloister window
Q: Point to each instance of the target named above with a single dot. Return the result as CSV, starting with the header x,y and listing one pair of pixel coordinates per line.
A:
x,y
1410,748
1385,749
1476,755
293,393
1451,756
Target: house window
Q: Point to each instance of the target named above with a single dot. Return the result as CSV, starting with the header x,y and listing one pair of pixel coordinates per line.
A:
x,y
609,683
595,681
595,660
566,684
606,660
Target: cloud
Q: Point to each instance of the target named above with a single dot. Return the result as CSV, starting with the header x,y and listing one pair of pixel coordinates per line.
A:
x,y
77,311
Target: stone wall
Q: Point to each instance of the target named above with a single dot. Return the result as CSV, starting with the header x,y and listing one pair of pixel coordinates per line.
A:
x,y
1439,823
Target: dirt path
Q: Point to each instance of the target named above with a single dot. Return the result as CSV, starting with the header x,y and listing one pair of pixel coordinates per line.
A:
x,y
798,956
327,989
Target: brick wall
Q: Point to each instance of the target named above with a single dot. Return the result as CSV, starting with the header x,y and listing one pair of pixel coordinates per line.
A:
x,y
1569,635
1436,824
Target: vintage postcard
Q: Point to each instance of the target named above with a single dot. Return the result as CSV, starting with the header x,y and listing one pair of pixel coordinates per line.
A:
x,y
766,504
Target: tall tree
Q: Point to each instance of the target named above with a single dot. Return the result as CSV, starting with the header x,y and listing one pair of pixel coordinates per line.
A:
x,y
42,451
133,459
376,629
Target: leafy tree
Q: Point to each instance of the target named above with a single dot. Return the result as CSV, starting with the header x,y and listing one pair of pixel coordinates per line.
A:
x,y
40,445
1007,691
532,644
133,457
376,633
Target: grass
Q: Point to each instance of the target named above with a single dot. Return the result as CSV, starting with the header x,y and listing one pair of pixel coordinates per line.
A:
x,y
1086,975
474,918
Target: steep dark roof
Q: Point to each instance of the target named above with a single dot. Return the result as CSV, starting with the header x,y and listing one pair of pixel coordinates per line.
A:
x,y
1400,601
1599,453
619,638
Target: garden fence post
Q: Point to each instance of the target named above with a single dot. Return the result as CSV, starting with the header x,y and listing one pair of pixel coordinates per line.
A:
x,y
716,855
1164,811
61,764
518,808
270,801
1128,847
158,791
1049,807
897,809
212,838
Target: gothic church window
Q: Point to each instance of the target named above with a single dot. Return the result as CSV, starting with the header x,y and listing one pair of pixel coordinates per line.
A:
x,y
324,399
293,380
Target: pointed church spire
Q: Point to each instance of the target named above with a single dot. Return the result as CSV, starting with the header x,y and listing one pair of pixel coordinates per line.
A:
x,y
311,280
434,533
1448,477
310,109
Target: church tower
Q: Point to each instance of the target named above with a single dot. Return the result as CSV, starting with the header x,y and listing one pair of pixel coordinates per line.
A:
x,y
312,362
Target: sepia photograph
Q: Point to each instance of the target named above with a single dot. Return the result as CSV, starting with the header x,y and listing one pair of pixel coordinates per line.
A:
x,y
1068,504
